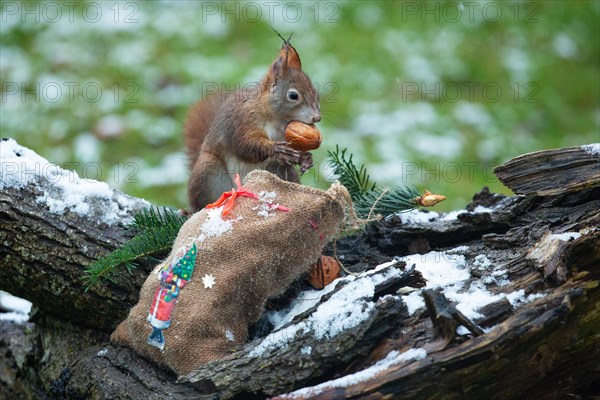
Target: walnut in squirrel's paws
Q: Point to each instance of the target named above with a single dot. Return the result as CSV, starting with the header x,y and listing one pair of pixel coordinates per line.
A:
x,y
303,137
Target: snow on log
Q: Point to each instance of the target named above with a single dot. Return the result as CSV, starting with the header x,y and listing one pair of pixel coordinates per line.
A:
x,y
53,225
63,191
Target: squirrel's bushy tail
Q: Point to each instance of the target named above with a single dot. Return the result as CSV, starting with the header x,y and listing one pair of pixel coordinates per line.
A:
x,y
197,124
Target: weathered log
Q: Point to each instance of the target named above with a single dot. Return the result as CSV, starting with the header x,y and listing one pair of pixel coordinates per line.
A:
x,y
395,236
526,356
445,317
120,374
546,347
16,346
43,257
536,172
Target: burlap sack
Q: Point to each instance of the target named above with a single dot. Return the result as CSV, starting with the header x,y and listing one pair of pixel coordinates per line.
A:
x,y
264,251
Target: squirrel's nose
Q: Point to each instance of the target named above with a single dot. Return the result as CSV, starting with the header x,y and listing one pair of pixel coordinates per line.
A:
x,y
316,118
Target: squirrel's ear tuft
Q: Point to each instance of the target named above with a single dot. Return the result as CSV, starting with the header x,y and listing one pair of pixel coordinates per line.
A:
x,y
290,55
287,58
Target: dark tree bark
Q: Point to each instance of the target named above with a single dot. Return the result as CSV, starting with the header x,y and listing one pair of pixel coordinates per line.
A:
x,y
546,348
43,258
536,172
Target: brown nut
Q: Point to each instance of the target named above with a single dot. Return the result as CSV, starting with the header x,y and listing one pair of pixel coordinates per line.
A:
x,y
302,136
323,272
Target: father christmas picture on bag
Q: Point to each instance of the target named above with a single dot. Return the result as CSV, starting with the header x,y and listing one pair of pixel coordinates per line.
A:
x,y
173,278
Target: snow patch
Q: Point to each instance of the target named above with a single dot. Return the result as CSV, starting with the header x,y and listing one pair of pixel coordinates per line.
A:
x,y
20,165
471,300
418,217
343,311
18,308
439,268
482,262
64,190
593,149
413,302
518,297
393,358
450,272
303,302
482,209
266,205
452,215
498,277
14,317
215,225
229,335
490,275
102,352
458,250
566,236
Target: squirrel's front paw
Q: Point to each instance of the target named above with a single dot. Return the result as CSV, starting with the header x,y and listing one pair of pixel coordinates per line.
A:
x,y
283,152
306,162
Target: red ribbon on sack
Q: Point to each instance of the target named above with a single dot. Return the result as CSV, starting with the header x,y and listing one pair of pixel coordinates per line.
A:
x,y
228,198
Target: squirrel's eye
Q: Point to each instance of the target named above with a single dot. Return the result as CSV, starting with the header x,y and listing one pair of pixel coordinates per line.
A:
x,y
293,94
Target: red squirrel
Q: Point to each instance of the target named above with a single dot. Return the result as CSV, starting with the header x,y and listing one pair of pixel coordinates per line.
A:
x,y
238,132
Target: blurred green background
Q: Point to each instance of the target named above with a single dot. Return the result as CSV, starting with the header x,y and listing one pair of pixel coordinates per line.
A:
x,y
432,94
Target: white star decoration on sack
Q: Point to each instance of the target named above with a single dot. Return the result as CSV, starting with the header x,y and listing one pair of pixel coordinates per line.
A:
x,y
208,280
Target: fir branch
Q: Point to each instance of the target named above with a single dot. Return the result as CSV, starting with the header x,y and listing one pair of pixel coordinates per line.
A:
x,y
367,197
157,229
398,199
355,180
157,217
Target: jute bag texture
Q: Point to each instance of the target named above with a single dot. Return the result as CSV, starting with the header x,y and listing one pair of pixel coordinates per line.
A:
x,y
258,258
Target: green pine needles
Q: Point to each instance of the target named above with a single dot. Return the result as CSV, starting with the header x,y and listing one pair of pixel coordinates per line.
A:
x,y
355,180
156,228
367,197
